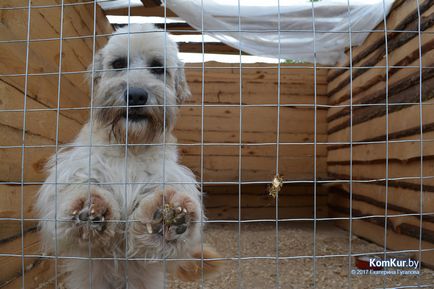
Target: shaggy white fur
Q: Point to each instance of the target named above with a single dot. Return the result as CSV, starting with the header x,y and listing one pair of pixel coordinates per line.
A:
x,y
118,192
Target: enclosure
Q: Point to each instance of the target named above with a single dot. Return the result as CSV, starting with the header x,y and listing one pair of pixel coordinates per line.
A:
x,y
352,141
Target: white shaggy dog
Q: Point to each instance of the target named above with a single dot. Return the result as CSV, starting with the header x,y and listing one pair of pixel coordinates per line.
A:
x,y
112,202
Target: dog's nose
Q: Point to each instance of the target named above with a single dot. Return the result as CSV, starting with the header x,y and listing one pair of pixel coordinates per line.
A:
x,y
136,96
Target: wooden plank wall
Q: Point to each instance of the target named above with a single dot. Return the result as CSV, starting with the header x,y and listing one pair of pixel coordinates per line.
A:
x,y
402,130
295,201
42,91
259,96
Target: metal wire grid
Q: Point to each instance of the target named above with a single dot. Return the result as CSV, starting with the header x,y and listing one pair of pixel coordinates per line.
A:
x,y
202,144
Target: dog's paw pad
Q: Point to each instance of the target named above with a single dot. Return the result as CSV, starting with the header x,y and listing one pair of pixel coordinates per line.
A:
x,y
169,221
92,212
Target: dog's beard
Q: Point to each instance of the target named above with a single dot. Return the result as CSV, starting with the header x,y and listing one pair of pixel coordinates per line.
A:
x,y
144,125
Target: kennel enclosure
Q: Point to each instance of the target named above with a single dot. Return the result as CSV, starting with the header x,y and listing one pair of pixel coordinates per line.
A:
x,y
353,141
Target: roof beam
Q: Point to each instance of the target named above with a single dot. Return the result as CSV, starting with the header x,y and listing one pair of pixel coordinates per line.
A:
x,y
178,27
208,47
151,3
157,11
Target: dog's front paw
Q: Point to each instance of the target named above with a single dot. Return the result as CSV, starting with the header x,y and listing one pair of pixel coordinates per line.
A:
x,y
171,215
90,216
93,211
165,217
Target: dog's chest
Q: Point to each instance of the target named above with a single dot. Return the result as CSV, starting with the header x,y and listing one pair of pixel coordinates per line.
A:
x,y
135,176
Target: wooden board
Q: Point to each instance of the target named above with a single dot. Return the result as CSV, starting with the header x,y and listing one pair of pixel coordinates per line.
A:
x,y
404,122
40,274
403,150
405,91
255,213
34,157
409,172
208,47
259,87
39,123
401,222
11,266
10,207
372,124
398,198
44,55
395,241
400,53
142,11
295,201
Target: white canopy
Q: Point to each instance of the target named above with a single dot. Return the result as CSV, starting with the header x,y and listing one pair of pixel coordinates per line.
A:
x,y
254,27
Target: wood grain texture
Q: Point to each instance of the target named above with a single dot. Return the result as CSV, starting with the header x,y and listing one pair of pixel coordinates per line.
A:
x,y
399,198
373,231
259,121
402,13
381,149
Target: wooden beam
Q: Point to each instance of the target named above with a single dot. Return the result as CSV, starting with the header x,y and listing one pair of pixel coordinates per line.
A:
x,y
151,3
174,27
141,11
209,47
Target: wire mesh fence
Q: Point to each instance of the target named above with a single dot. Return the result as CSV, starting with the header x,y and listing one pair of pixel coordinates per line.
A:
x,y
346,145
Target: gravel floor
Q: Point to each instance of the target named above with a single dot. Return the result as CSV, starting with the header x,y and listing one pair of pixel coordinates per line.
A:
x,y
294,240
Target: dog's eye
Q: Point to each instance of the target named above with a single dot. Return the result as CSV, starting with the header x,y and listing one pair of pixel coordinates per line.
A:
x,y
157,67
119,63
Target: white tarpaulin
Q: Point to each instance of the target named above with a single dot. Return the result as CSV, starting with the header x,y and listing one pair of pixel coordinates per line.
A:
x,y
253,25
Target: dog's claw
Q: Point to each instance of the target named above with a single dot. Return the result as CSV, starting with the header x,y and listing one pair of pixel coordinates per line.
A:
x,y
149,228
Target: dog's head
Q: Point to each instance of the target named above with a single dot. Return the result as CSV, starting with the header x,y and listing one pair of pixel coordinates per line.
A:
x,y
138,81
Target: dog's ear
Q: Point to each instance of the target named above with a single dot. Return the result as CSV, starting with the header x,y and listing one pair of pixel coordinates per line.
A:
x,y
95,69
181,85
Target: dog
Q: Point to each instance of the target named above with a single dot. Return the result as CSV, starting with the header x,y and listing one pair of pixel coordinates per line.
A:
x,y
117,206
